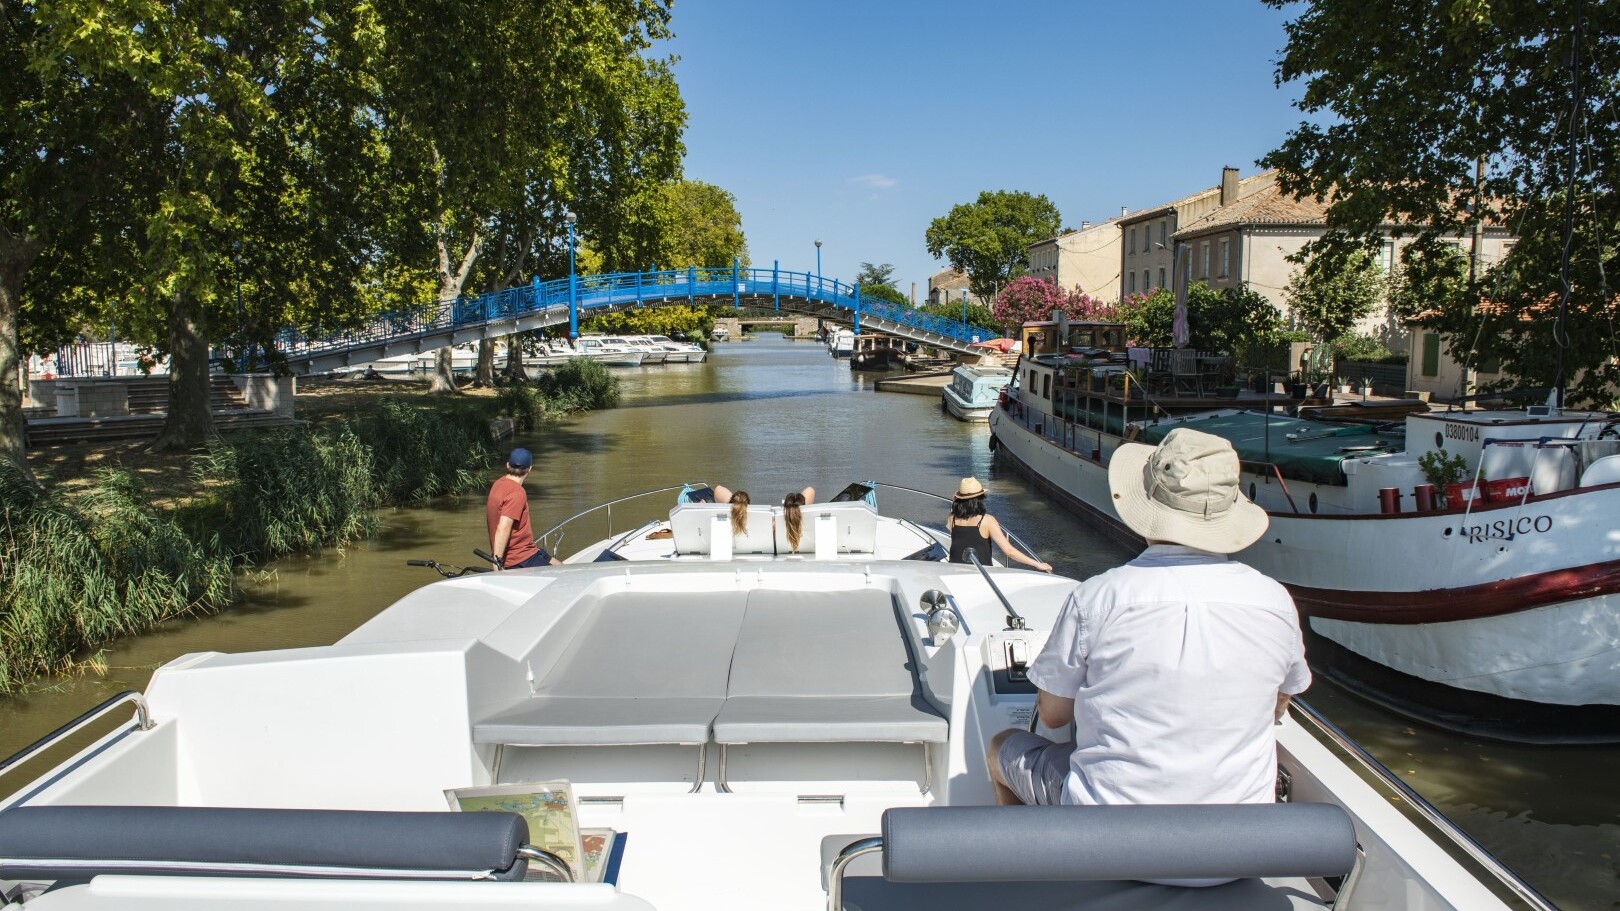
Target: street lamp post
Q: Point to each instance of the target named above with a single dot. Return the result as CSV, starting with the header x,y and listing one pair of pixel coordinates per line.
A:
x,y
818,264
964,306
573,296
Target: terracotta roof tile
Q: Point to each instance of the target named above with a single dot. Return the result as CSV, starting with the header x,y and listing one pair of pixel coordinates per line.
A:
x,y
1269,206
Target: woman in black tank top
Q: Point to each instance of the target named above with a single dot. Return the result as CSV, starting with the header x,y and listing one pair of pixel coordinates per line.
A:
x,y
972,529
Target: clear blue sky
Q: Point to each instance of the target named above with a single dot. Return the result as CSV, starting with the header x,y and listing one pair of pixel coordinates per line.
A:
x,y
859,121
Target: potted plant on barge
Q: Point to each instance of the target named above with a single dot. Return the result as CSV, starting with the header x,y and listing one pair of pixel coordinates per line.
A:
x,y
1446,472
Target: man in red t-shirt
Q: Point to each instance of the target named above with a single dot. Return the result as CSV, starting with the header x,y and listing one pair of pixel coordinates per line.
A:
x,y
511,537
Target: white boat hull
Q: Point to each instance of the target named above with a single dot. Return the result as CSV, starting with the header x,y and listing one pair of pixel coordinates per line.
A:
x,y
963,411
1438,596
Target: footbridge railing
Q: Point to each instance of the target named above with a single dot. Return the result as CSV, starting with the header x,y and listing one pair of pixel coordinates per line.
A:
x,y
541,304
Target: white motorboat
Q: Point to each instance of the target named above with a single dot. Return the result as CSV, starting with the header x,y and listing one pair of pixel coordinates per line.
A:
x,y
679,352
551,353
610,350
973,391
652,352
841,343
720,334
1492,606
738,726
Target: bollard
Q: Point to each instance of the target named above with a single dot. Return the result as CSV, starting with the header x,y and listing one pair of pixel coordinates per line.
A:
x,y
1423,498
1389,501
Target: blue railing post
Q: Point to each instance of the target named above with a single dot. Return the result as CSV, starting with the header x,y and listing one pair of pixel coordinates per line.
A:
x,y
776,283
736,287
857,309
537,303
638,289
691,285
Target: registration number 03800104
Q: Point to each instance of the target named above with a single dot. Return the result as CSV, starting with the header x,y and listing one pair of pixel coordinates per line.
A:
x,y
1506,529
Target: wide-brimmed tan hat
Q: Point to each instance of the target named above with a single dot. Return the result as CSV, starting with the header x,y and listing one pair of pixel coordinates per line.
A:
x,y
1185,491
968,489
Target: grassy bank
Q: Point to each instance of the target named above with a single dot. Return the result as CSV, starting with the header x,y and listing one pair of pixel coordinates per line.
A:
x,y
104,549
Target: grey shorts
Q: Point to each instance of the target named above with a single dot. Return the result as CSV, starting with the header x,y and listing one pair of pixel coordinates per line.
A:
x,y
1034,768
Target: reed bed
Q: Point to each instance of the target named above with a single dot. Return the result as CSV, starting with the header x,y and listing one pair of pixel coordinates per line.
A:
x,y
78,571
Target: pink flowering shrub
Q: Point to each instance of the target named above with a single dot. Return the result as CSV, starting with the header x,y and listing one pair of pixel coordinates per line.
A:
x,y
1029,299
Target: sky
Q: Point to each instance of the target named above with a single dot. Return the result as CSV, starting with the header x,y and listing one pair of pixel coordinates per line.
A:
x,y
858,123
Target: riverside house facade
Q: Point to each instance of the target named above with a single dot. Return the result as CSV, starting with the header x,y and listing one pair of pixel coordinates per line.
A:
x,y
1147,254
1087,259
1249,241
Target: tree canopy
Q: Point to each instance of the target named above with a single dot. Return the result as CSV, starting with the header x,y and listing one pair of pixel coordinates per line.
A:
x,y
1406,100
1333,290
989,238
877,280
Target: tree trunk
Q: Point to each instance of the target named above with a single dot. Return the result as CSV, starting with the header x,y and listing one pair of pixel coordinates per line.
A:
x,y
451,281
15,258
443,378
515,370
190,421
485,375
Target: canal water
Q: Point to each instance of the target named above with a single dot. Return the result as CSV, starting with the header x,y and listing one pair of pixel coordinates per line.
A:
x,y
770,416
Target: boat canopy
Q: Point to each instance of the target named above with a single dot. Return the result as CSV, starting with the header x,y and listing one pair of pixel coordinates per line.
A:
x,y
1302,450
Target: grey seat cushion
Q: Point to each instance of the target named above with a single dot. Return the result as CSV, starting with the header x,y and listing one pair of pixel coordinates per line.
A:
x,y
828,719
78,842
826,667
644,669
873,893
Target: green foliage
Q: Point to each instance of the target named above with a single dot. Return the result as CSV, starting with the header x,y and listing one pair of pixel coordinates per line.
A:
x,y
989,238
1149,318
1230,320
679,224
1400,107
1357,347
581,384
977,315
888,293
1441,468
73,575
418,453
1336,288
875,274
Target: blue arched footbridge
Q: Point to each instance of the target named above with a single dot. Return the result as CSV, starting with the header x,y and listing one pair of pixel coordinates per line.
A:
x,y
564,301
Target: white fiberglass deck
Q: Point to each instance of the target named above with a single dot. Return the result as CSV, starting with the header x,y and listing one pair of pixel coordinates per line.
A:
x,y
819,679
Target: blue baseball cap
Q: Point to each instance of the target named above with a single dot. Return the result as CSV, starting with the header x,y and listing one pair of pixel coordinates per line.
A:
x,y
520,458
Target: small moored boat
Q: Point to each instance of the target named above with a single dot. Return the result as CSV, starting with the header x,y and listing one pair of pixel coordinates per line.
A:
x,y
973,391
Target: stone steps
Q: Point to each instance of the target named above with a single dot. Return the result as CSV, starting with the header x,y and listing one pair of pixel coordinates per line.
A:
x,y
57,431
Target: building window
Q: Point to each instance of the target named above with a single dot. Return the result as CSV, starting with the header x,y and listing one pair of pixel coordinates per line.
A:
x,y
1203,250
1133,240
1226,257
1164,236
1146,285
1133,283
1386,257
1431,354
1161,276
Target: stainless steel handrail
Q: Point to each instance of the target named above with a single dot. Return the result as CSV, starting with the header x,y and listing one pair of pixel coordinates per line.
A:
x,y
143,722
1428,811
543,538
548,860
835,876
1015,620
1005,530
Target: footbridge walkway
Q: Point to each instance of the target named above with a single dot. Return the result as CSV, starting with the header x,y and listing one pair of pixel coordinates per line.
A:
x,y
554,303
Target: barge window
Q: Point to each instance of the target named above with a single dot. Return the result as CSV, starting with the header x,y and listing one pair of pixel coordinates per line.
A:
x,y
1046,387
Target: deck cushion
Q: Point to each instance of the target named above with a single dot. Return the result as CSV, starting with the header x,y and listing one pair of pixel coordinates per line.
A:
x,y
644,669
78,842
827,667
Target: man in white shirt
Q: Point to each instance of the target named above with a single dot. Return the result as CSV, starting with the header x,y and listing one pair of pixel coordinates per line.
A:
x,y
1173,667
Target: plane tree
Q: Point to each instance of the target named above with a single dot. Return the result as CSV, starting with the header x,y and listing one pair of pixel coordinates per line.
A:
x,y
989,238
1443,116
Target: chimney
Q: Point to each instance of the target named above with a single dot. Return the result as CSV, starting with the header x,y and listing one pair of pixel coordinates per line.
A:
x,y
1229,186
913,294
1085,225
1121,211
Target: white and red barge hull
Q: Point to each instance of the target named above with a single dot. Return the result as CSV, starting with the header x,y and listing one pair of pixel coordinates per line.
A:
x,y
1517,600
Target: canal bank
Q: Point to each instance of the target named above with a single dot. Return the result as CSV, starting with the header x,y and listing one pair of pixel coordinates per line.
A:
x,y
770,417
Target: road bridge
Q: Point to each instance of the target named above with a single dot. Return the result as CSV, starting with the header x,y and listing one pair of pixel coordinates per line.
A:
x,y
566,301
